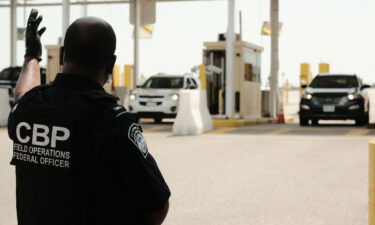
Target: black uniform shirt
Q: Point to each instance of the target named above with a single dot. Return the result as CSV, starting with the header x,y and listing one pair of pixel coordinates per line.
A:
x,y
80,158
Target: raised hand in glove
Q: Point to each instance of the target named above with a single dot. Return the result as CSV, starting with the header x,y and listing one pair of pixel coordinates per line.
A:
x,y
33,44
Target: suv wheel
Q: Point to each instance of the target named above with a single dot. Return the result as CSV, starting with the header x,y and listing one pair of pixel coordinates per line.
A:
x,y
363,120
359,122
303,121
157,120
315,122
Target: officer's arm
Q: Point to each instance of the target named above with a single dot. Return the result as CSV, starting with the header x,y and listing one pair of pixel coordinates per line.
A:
x,y
157,218
30,74
29,77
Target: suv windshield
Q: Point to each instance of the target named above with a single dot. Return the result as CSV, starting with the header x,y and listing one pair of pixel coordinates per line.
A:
x,y
5,74
164,83
334,82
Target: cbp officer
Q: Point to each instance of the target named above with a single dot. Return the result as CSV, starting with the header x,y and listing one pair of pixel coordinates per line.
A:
x,y
79,158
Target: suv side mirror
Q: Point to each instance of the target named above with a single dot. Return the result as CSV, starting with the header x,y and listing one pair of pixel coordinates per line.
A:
x,y
304,86
364,86
192,86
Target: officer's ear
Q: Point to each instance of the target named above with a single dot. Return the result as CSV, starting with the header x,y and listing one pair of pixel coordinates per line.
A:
x,y
111,64
62,52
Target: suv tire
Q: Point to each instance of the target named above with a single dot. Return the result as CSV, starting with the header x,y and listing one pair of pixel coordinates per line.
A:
x,y
303,121
157,120
315,122
363,120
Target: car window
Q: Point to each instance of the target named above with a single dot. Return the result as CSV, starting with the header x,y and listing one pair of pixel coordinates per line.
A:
x,y
16,71
192,84
188,83
334,82
164,82
5,74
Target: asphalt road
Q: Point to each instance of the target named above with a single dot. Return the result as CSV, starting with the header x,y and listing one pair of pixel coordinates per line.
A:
x,y
331,128
261,175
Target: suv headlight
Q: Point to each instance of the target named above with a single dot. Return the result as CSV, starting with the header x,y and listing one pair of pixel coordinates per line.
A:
x,y
307,96
174,97
353,96
132,97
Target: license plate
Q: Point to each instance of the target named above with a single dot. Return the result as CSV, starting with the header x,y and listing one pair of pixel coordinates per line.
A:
x,y
151,104
328,108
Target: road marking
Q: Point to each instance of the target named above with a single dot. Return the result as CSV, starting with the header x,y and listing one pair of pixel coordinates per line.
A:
x,y
357,132
279,131
275,131
222,130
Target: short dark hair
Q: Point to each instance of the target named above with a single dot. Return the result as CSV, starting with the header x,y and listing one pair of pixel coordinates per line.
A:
x,y
89,42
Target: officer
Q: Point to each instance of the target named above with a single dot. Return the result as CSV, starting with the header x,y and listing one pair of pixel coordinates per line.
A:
x,y
79,158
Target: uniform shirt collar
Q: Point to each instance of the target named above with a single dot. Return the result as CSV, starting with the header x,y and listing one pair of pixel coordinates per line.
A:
x,y
75,82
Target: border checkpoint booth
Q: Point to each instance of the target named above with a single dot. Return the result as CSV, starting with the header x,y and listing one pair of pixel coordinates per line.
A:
x,y
247,79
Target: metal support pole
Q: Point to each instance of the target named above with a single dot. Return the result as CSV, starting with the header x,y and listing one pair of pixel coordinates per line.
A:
x,y
229,86
13,32
84,8
137,12
274,57
66,18
24,13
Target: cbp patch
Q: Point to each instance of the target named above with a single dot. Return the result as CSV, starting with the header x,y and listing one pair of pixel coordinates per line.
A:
x,y
119,110
14,108
135,135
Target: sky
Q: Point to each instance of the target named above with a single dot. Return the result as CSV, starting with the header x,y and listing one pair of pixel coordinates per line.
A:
x,y
338,32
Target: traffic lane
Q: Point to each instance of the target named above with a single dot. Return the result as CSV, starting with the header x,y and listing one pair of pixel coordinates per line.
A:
x,y
236,179
331,129
252,179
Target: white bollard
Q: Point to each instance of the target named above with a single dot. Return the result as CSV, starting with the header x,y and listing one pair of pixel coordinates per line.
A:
x,y
371,97
4,106
189,119
193,117
205,114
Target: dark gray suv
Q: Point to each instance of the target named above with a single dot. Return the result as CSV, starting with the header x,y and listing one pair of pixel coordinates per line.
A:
x,y
334,97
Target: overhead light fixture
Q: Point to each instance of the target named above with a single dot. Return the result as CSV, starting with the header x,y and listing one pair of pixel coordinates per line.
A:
x,y
266,28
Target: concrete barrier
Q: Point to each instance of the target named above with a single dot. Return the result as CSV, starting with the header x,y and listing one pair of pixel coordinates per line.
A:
x,y
193,117
371,219
4,106
371,96
205,114
122,93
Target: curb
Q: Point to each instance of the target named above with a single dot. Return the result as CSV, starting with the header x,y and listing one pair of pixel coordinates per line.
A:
x,y
240,122
289,119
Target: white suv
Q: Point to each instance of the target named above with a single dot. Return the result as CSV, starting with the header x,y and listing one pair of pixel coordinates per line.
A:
x,y
158,97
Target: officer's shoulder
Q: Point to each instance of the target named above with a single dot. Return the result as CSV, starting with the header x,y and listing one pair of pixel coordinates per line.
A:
x,y
99,96
32,92
39,88
103,101
119,112
108,103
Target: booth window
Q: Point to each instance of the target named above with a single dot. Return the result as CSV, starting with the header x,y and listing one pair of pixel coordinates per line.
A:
x,y
251,73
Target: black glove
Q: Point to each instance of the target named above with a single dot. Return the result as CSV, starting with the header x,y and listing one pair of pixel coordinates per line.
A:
x,y
33,45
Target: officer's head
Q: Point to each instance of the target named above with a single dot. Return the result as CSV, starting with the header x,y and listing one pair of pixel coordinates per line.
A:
x,y
89,48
